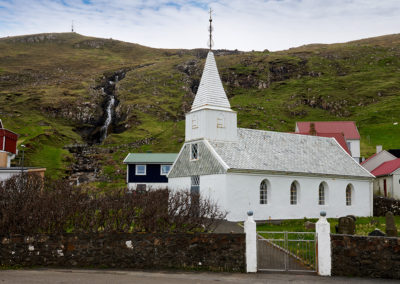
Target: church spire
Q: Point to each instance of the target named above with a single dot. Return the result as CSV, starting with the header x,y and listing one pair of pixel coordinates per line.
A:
x,y
211,93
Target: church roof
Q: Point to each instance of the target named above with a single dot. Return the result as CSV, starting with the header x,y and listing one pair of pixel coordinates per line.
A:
x,y
211,93
285,152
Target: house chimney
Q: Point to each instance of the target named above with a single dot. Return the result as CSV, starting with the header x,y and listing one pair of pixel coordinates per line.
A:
x,y
378,148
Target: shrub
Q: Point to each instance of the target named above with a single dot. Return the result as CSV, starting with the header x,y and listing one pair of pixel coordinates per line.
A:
x,y
27,207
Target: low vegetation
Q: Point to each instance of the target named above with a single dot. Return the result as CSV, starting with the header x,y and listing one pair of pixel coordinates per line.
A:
x,y
27,206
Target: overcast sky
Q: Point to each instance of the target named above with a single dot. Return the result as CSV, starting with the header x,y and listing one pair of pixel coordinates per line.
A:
x,y
243,25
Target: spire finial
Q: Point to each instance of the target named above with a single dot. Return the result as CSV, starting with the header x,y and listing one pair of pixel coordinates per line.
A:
x,y
210,29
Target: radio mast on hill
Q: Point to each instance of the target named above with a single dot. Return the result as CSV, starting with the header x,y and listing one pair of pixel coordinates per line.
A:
x,y
72,27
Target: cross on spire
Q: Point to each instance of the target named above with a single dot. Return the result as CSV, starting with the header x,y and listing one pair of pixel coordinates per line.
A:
x,y
210,29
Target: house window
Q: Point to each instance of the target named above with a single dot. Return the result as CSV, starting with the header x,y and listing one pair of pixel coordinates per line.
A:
x,y
321,194
140,170
264,192
293,193
165,169
194,151
195,184
141,187
349,193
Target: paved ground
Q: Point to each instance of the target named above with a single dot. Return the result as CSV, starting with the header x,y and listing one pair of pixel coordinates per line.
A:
x,y
125,276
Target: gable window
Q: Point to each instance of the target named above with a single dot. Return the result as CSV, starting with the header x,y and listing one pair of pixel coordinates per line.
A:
x,y
165,169
321,194
264,192
140,170
349,193
194,122
293,193
195,184
220,122
194,151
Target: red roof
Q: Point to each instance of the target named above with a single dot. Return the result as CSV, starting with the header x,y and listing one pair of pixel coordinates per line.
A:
x,y
348,128
387,168
338,136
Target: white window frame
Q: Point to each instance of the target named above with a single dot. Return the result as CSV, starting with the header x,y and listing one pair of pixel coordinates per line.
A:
x,y
161,169
140,174
220,122
294,192
322,194
192,151
264,192
195,123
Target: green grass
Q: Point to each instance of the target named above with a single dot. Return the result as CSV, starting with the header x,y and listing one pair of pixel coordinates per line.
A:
x,y
50,88
364,225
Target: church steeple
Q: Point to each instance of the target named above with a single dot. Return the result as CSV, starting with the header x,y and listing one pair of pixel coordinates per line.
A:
x,y
211,93
211,116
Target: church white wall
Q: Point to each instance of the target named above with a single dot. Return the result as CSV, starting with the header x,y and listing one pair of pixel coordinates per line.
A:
x,y
214,125
354,149
243,195
211,186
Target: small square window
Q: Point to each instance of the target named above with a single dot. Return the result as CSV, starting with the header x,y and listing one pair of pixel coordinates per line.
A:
x,y
165,169
140,170
194,123
194,153
220,122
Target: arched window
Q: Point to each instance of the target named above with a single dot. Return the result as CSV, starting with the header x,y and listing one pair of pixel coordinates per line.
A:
x,y
264,192
293,193
321,194
349,194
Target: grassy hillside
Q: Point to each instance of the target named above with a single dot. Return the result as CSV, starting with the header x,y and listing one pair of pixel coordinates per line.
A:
x,y
49,92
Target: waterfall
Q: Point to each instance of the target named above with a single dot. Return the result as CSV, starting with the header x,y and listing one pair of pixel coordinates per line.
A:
x,y
109,109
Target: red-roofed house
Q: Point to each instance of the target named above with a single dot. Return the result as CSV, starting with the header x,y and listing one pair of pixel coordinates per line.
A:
x,y
347,129
387,182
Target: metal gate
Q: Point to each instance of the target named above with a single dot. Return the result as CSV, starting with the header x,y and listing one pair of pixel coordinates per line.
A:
x,y
286,251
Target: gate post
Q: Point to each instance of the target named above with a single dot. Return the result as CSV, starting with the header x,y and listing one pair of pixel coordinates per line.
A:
x,y
323,231
250,230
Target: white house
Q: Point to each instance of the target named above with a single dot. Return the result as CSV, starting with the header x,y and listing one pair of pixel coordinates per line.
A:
x,y
277,175
378,159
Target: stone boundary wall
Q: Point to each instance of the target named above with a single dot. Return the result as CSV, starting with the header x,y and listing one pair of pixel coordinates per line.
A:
x,y
365,256
384,204
216,252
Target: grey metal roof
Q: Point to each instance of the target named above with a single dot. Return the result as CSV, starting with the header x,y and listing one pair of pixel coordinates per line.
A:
x,y
286,152
210,92
133,158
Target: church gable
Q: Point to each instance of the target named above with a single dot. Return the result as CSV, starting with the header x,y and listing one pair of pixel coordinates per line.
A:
x,y
205,164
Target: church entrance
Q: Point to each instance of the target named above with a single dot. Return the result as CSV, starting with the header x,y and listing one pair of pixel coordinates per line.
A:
x,y
287,251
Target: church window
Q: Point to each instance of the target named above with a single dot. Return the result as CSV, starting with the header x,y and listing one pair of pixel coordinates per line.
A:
x,y
321,194
194,151
264,192
140,170
194,122
195,184
349,193
293,193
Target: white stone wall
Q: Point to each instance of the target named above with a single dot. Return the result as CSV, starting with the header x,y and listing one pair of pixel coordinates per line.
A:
x,y
243,195
354,149
214,125
149,185
396,184
4,175
377,160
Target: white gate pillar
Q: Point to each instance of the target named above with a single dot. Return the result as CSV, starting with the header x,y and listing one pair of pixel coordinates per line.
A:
x,y
250,230
323,231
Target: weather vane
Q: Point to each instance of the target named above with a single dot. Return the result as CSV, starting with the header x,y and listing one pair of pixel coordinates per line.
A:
x,y
210,29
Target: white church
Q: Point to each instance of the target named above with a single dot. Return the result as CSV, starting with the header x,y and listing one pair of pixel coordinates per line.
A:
x,y
276,175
